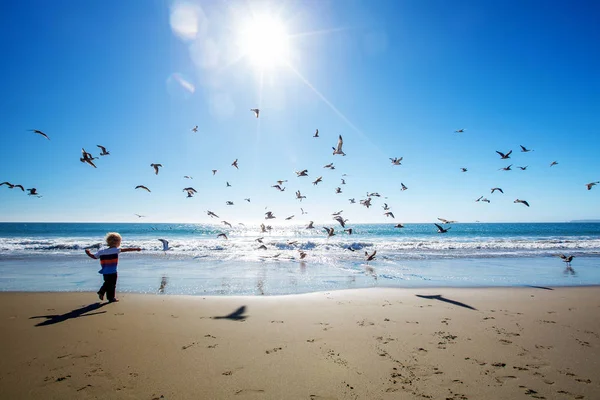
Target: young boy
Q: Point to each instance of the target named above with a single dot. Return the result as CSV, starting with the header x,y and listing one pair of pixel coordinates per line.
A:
x,y
109,259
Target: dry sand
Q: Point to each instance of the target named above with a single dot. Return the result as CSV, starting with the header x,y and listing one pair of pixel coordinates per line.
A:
x,y
501,343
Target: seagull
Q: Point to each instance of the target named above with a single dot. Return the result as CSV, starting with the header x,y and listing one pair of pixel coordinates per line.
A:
x,y
463,169
337,213
248,200
445,221
281,182
460,130
304,172
259,240
553,163
498,189
214,171
566,259
235,164
370,257
227,223
403,187
163,283
319,179
256,111
506,168
338,150
343,181
262,247
591,185
521,201
228,184
398,226
195,129
142,187
316,133
504,156
303,212
140,216
330,232
523,168
441,229
310,225
524,150
302,254
165,244
389,214
385,207
229,203
212,214
262,228
289,218
18,186
187,177
32,192
352,201
479,199
39,133
10,185
330,165
486,200
269,215
338,190
366,203
156,166
279,188
374,194
87,158
341,220
396,161
299,195
348,231
222,235
190,191
104,152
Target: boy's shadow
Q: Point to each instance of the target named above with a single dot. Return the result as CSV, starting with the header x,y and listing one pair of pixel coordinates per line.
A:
x,y
80,312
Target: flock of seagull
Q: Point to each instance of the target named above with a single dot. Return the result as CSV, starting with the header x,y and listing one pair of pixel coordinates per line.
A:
x,y
88,158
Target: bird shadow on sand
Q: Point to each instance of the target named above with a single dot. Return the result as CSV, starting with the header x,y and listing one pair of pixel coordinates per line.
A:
x,y
237,315
441,298
539,287
80,312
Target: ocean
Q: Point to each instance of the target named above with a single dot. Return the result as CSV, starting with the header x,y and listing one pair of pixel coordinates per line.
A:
x,y
50,257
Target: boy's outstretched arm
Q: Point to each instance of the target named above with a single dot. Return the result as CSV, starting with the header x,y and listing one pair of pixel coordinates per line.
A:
x,y
87,251
130,249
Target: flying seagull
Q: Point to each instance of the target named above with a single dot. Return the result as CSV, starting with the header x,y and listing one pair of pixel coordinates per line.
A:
x,y
212,214
330,165
338,150
566,259
140,216
32,192
445,221
304,172
341,220
442,229
190,191
504,156
338,190
463,170
310,225
498,189
348,231
227,223
352,201
523,168
142,187
278,188
165,244
214,171
319,179
229,203
104,152
187,177
299,195
553,163
40,133
521,201
330,232
460,130
222,235
156,166
195,129
316,133
247,199
505,168
370,257
403,187
269,215
256,111
235,164
87,158
397,161
389,214
290,217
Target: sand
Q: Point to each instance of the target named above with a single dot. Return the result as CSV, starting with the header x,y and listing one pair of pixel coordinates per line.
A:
x,y
493,343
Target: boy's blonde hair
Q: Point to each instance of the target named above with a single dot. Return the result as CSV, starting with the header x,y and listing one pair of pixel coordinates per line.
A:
x,y
113,238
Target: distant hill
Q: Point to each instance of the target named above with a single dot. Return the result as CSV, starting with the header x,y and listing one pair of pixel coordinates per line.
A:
x,y
586,220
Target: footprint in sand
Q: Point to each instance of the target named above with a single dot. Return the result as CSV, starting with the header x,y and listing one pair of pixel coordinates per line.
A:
x,y
273,350
277,322
187,346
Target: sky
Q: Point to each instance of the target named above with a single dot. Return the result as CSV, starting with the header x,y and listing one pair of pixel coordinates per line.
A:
x,y
394,78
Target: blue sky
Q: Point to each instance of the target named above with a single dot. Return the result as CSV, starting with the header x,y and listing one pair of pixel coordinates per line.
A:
x,y
395,78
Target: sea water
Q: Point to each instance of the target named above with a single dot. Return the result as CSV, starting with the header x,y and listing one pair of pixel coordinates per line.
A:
x,y
50,257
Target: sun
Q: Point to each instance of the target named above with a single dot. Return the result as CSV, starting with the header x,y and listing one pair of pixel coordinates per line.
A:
x,y
264,42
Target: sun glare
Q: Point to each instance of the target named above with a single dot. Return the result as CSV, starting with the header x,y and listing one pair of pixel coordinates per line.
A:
x,y
265,42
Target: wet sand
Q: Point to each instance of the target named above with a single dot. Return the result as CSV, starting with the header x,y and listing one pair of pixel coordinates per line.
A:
x,y
500,343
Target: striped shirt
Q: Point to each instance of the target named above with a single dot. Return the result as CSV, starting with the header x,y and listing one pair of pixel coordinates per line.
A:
x,y
109,258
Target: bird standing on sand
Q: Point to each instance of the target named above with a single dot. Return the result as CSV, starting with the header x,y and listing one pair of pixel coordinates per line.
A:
x,y
442,229
591,185
256,111
504,156
521,201
338,150
39,133
156,166
104,152
143,187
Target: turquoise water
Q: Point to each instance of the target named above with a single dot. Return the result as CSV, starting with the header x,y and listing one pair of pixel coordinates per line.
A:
x,y
50,257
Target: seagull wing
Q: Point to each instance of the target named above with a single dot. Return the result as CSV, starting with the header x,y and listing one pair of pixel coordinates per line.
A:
x,y
165,244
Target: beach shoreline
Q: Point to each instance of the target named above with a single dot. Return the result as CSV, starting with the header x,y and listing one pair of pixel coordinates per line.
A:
x,y
376,343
